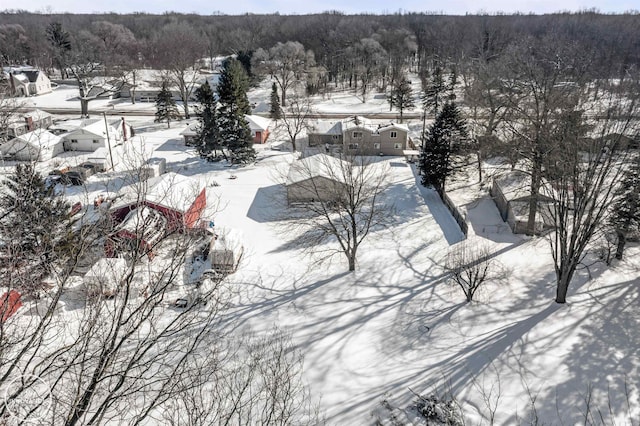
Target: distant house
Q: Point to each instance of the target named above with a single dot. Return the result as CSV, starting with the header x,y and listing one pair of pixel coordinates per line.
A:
x,y
149,83
39,145
259,130
358,135
28,82
511,193
28,122
94,134
316,178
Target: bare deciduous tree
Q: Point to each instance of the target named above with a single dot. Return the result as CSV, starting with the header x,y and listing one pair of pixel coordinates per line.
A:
x,y
295,119
340,200
471,266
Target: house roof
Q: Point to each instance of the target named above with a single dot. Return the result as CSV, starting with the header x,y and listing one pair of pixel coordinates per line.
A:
x,y
516,186
257,123
327,127
95,127
37,114
357,122
318,165
40,138
170,190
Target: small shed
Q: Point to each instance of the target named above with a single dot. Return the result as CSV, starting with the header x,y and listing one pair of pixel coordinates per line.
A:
x,y
316,178
106,276
39,145
511,193
259,127
226,250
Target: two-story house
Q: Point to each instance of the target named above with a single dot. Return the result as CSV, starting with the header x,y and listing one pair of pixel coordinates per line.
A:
x,y
358,135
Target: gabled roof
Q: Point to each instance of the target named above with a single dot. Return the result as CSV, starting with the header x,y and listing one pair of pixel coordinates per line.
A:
x,y
39,138
318,165
37,114
95,127
357,122
257,123
392,125
327,127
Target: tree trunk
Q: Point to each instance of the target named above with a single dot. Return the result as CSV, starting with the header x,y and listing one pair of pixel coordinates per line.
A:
x,y
561,290
622,240
84,108
352,263
533,201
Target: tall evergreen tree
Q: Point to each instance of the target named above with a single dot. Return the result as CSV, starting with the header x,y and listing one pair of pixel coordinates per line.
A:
x,y
435,93
233,86
208,139
166,109
402,97
234,104
435,158
35,230
275,111
625,215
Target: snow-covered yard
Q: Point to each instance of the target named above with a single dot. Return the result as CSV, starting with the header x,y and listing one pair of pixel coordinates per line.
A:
x,y
397,325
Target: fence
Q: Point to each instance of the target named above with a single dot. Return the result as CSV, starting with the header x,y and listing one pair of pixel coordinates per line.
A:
x,y
457,215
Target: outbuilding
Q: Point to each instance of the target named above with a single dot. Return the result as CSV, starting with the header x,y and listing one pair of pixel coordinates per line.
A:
x,y
39,145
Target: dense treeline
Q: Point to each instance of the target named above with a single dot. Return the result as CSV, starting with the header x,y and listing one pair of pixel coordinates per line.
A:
x,y
612,39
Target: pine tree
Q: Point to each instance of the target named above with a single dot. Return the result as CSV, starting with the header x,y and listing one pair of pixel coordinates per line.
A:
x,y
35,230
402,97
275,112
234,104
208,138
435,158
435,93
625,215
166,109
233,86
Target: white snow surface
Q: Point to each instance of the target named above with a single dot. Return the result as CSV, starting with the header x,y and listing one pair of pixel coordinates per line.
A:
x,y
397,325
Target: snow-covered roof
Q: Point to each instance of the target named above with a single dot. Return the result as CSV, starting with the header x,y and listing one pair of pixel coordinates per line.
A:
x,y
327,127
174,191
357,122
96,127
393,125
191,130
318,165
516,185
37,114
40,138
257,123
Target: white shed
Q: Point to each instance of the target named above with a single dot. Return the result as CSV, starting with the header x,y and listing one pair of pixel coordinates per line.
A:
x,y
39,145
96,134
226,250
105,276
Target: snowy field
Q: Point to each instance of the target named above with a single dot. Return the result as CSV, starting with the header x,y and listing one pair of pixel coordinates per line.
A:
x,y
396,325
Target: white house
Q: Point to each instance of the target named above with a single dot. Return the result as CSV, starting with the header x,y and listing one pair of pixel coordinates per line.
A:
x,y
94,134
39,145
28,81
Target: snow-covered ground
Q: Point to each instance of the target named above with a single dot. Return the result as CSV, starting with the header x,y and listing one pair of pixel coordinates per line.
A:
x,y
396,325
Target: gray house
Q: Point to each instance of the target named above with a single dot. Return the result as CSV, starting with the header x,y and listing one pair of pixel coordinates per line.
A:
x,y
319,177
358,135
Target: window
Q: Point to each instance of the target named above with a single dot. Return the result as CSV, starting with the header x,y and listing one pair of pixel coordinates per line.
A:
x,y
74,140
397,146
353,146
376,146
357,135
96,141
394,134
334,137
